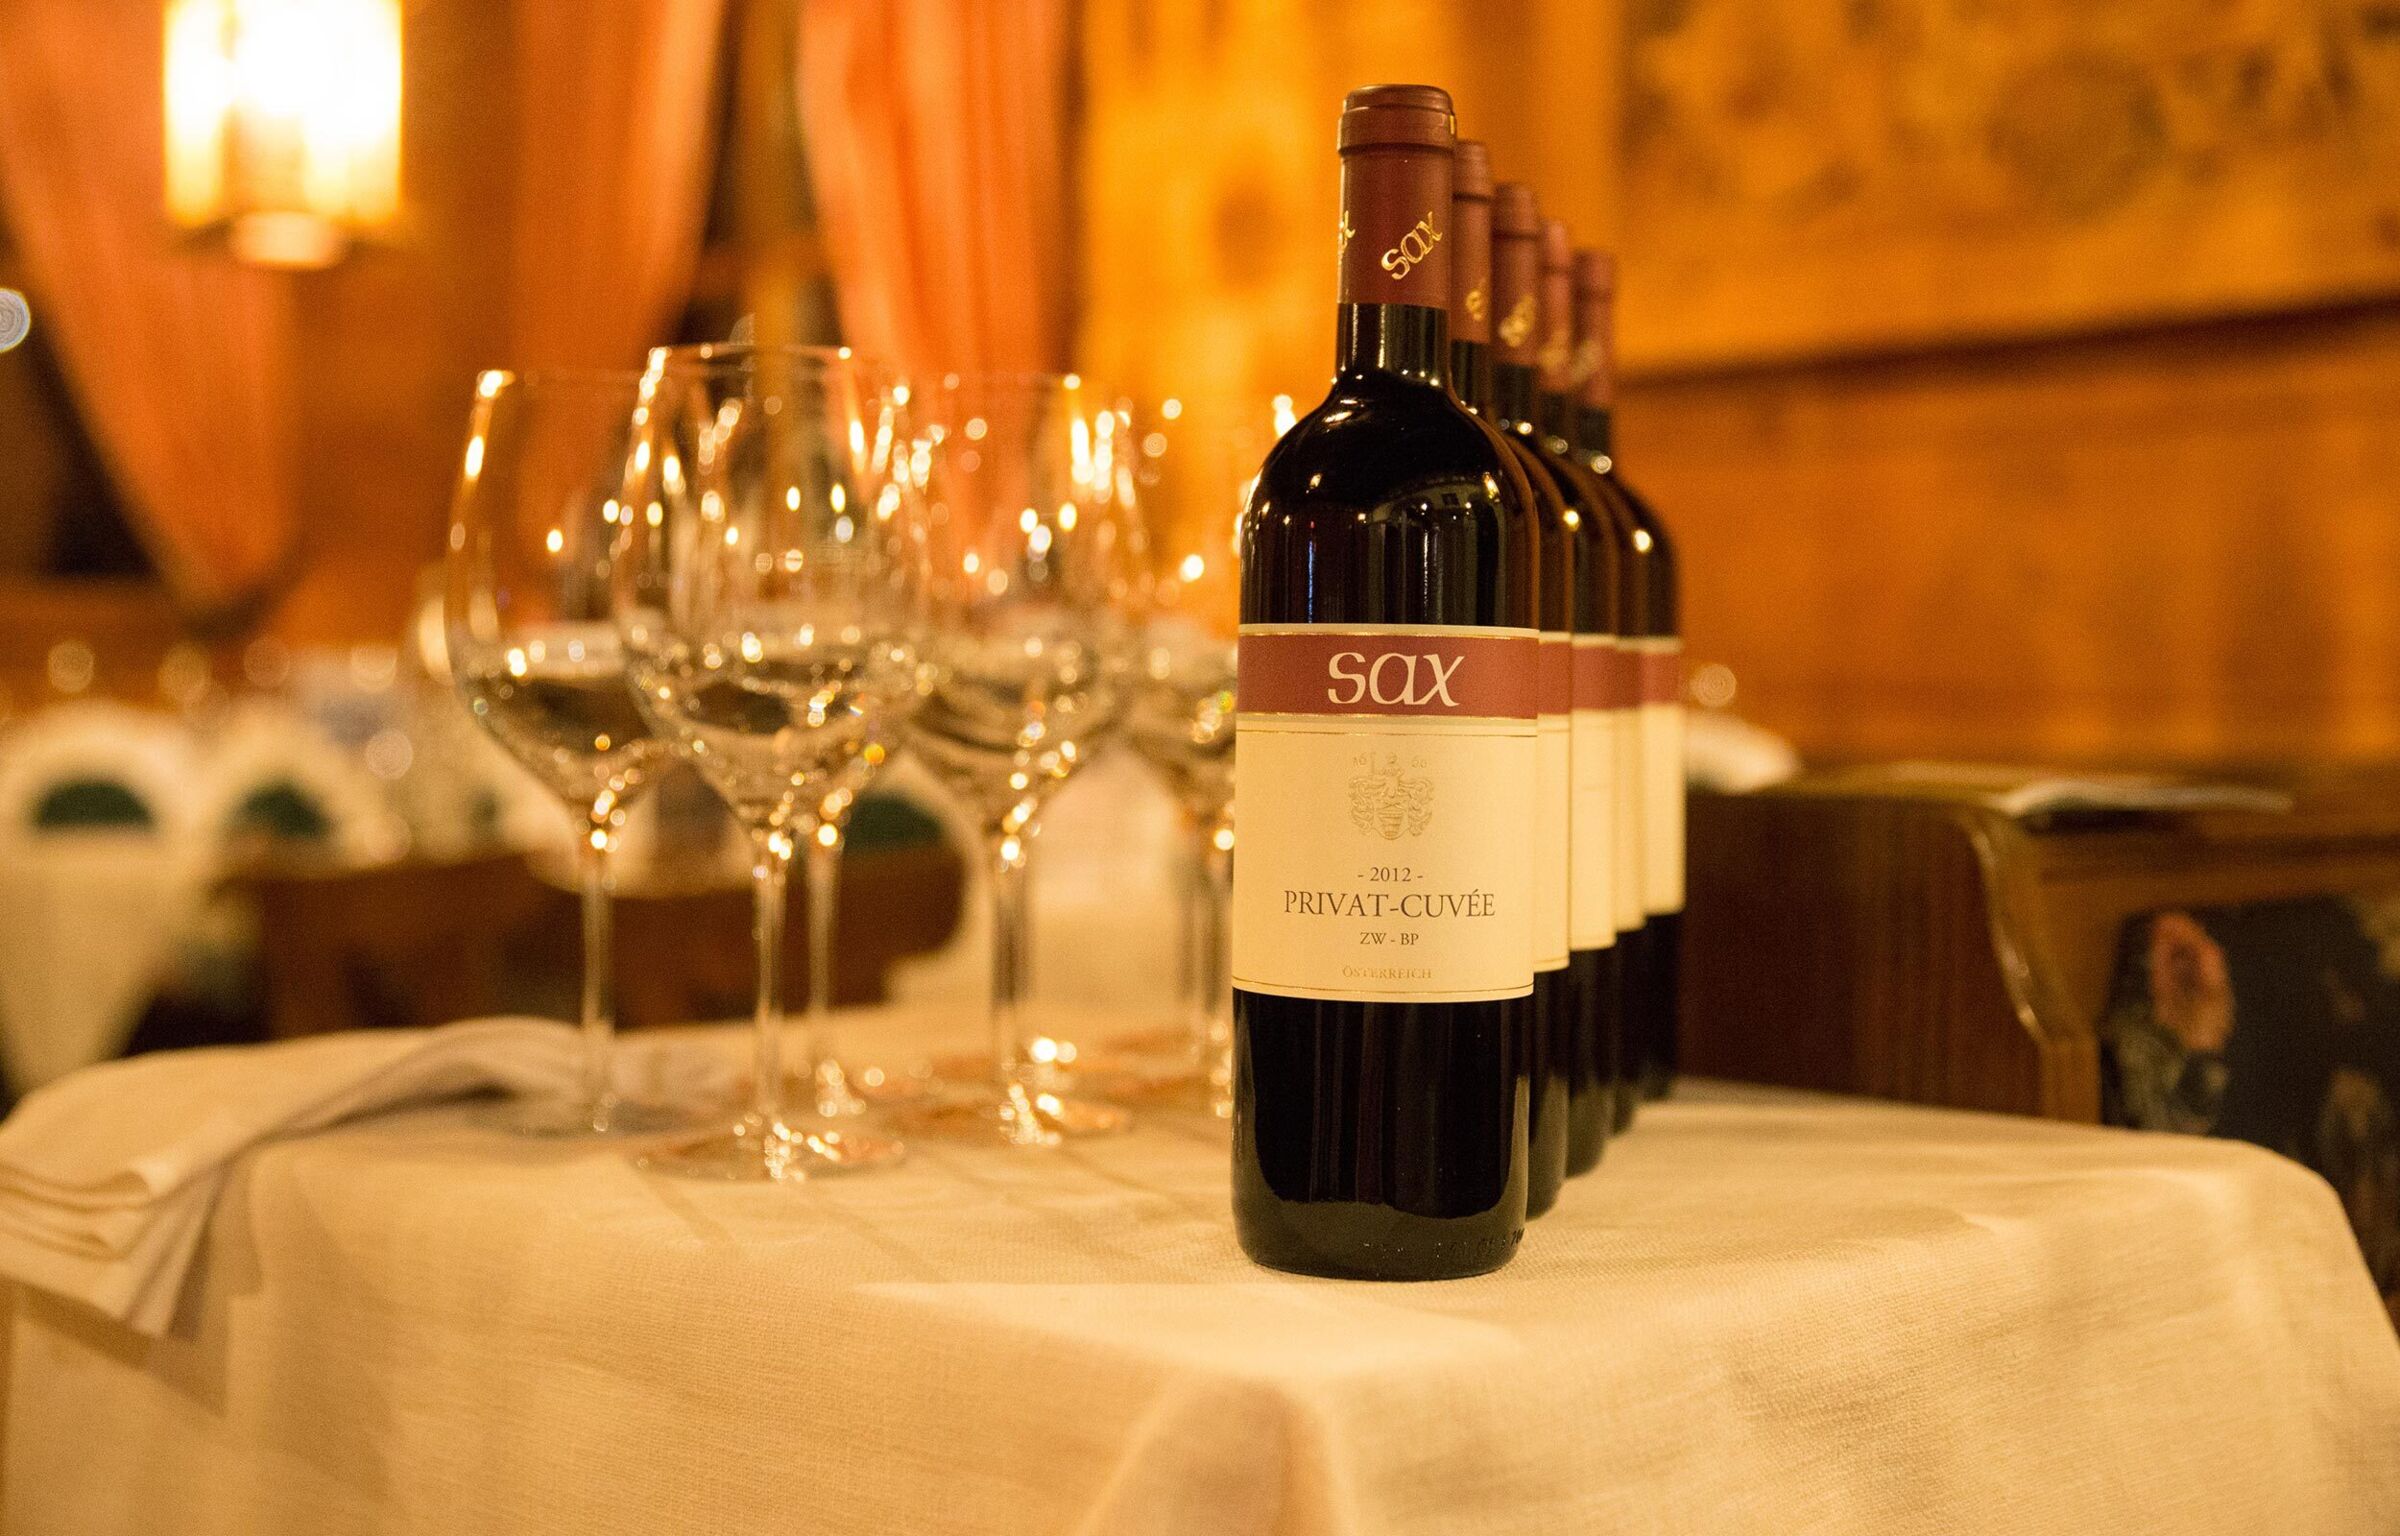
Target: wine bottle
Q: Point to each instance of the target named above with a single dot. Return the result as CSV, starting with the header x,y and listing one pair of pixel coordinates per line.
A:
x,y
1654,980
1550,1048
1527,326
1385,758
1616,663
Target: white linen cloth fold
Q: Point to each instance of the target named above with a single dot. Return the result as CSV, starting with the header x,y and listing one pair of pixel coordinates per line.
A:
x,y
108,1176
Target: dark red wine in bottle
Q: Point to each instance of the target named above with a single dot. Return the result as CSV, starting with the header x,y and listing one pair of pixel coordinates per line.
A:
x,y
1654,973
1591,1031
1549,1053
1385,758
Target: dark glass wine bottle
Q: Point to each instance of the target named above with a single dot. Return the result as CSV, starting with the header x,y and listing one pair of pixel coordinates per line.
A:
x,y
1550,1049
1614,669
1654,975
1384,774
1600,674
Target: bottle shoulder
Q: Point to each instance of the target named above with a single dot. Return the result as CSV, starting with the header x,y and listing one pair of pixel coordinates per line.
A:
x,y
1556,502
1398,450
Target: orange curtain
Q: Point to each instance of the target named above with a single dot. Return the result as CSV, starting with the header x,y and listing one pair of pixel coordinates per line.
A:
x,y
937,134
180,358
616,140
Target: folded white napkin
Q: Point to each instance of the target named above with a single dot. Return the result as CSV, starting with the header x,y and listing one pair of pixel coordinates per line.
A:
x,y
108,1176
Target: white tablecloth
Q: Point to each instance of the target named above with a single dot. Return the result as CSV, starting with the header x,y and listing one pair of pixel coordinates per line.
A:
x,y
1783,1316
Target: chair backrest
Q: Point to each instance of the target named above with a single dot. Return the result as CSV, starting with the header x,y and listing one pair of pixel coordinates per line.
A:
x,y
96,765
270,774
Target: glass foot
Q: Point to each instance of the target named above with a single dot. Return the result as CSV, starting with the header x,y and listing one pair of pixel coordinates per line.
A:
x,y
1014,1116
1160,1067
835,1098
759,1151
574,1117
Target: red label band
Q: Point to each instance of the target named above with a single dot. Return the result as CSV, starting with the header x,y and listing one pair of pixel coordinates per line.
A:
x,y
1459,673
1607,676
1554,686
1661,677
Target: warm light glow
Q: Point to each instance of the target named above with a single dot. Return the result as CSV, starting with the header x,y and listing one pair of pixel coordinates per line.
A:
x,y
283,123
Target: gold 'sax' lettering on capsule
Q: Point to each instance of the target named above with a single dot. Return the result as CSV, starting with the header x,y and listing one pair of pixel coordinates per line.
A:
x,y
1414,247
1517,326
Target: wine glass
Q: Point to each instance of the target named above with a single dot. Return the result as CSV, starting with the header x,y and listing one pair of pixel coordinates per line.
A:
x,y
536,657
1195,459
773,588
1030,493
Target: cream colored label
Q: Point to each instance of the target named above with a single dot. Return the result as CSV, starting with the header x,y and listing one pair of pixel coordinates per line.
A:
x,y
1385,857
1632,834
1592,819
1662,807
1553,844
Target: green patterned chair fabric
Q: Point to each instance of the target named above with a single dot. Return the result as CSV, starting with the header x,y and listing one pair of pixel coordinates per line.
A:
x,y
83,804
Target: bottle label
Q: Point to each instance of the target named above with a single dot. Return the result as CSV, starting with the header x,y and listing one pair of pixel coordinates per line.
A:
x,y
1593,821
1553,814
1384,793
1632,786
1662,774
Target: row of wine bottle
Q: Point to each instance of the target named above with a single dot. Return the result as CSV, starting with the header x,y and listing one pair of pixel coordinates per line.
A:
x,y
1458,781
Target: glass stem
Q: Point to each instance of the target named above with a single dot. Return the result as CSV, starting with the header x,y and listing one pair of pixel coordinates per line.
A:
x,y
1011,954
1191,970
824,869
599,964
770,876
1216,957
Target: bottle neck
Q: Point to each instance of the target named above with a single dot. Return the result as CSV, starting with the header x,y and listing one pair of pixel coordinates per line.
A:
x,y
1515,396
1471,375
1556,417
1595,430
1410,340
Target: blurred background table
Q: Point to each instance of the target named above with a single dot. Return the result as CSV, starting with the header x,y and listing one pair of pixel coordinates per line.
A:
x,y
1768,1312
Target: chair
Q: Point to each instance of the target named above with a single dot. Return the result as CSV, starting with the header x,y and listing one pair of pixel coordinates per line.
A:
x,y
101,872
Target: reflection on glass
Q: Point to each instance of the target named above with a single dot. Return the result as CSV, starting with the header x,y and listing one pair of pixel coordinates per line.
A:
x,y
1196,460
773,590
535,654
1030,489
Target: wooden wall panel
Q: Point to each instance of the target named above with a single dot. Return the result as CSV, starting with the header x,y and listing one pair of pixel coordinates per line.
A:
x,y
1886,264
2183,545
1820,177
1208,177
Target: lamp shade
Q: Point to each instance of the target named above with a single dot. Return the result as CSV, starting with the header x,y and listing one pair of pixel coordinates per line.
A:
x,y
283,123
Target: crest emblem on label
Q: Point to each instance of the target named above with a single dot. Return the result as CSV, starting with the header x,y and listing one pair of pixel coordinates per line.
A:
x,y
1388,800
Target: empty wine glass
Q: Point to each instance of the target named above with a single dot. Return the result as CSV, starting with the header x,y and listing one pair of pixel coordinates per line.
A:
x,y
536,657
772,593
1030,495
1195,459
